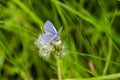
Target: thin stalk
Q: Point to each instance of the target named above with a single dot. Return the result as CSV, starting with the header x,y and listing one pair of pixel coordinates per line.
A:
x,y
58,68
108,57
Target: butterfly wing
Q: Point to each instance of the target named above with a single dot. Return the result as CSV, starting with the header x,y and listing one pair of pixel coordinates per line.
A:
x,y
50,35
46,37
49,27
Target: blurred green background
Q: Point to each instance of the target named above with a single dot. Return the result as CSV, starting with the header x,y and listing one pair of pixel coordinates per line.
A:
x,y
91,35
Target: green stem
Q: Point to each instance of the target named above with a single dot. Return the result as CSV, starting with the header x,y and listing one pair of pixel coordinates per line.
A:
x,y
108,57
58,68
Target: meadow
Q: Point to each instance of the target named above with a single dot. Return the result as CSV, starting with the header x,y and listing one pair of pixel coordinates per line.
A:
x,y
90,39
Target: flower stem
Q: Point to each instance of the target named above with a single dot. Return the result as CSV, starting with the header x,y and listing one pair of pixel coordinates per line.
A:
x,y
58,68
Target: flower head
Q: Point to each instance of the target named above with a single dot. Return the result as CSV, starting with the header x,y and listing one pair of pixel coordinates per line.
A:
x,y
44,48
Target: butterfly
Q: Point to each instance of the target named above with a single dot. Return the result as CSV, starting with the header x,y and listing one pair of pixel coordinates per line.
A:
x,y
51,35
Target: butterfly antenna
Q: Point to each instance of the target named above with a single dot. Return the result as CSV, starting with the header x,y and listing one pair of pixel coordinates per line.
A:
x,y
60,30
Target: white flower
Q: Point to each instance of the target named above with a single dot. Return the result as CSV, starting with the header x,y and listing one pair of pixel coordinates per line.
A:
x,y
44,48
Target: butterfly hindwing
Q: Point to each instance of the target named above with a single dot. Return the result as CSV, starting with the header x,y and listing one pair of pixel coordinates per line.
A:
x,y
46,37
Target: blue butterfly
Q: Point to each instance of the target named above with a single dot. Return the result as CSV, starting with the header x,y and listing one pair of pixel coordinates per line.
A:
x,y
51,35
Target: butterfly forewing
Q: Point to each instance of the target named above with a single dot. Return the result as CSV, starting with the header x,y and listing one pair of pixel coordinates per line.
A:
x,y
49,28
46,37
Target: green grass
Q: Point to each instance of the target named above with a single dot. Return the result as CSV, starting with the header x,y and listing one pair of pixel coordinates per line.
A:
x,y
91,36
